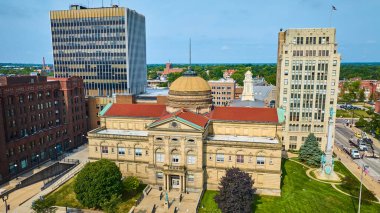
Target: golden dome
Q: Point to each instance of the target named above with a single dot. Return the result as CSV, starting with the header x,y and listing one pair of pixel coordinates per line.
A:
x,y
190,84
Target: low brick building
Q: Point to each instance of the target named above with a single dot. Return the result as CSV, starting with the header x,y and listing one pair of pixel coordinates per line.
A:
x,y
377,106
40,118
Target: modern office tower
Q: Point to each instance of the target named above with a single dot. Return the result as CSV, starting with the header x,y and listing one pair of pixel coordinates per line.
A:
x,y
40,118
308,68
106,47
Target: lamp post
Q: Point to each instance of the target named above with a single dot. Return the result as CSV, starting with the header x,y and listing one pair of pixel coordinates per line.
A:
x,y
56,154
5,198
364,169
38,160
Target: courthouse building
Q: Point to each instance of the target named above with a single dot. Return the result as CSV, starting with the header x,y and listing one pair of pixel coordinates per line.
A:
x,y
187,144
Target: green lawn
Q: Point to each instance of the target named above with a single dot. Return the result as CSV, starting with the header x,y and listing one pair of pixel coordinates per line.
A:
x,y
348,113
300,194
65,196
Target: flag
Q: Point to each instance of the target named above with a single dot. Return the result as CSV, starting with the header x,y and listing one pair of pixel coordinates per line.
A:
x,y
333,7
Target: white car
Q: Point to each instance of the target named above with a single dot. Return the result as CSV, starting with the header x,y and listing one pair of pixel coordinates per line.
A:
x,y
355,154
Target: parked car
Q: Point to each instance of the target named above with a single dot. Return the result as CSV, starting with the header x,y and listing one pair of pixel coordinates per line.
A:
x,y
355,154
367,140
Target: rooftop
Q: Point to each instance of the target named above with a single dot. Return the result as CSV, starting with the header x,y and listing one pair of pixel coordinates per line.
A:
x,y
247,139
264,115
135,110
123,132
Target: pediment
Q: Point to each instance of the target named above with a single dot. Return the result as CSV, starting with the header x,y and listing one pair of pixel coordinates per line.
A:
x,y
175,124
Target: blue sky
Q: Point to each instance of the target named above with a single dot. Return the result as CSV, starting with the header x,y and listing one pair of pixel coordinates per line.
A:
x,y
222,31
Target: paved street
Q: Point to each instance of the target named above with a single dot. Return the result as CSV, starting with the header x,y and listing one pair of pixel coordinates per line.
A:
x,y
21,200
342,135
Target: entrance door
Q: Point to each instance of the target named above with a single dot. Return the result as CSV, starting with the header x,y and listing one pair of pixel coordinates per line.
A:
x,y
175,183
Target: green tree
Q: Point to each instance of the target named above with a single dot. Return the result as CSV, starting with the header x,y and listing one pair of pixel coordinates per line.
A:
x,y
238,76
310,153
361,122
110,206
361,95
97,183
236,193
44,205
131,183
173,76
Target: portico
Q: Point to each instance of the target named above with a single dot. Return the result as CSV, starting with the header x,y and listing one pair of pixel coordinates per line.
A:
x,y
175,181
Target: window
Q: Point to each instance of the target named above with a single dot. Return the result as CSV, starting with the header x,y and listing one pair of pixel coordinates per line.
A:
x,y
334,73
240,158
260,160
174,140
121,151
138,152
159,139
332,91
335,62
285,100
293,138
219,157
159,175
286,62
285,81
105,149
190,178
285,91
175,158
191,141
286,72
293,146
191,159
160,157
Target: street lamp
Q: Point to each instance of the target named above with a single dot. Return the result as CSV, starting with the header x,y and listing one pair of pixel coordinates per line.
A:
x,y
56,154
364,168
5,198
38,160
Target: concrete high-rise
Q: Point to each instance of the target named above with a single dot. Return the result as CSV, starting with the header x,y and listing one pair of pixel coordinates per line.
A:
x,y
106,47
308,67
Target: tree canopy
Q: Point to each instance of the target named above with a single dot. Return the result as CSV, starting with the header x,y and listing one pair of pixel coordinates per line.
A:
x,y
236,193
97,183
310,153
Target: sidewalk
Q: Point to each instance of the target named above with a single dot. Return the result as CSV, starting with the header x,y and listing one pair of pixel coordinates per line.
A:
x,y
21,200
368,181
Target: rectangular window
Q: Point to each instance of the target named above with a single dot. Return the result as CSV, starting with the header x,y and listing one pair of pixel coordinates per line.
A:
x,y
121,151
334,73
160,157
293,138
285,81
260,160
292,146
159,175
286,62
175,158
220,157
335,62
105,149
239,158
190,178
138,152
191,159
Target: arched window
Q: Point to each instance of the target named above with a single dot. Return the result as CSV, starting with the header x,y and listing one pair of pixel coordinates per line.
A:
x,y
175,140
175,156
191,141
160,156
219,156
159,139
239,157
260,158
191,158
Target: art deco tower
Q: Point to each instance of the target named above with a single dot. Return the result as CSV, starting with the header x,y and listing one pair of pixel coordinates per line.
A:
x,y
308,67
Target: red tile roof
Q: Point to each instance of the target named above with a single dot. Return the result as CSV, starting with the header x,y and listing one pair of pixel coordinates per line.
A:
x,y
136,110
192,117
265,115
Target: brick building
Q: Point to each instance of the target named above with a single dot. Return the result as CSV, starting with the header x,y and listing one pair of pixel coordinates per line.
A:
x,y
40,118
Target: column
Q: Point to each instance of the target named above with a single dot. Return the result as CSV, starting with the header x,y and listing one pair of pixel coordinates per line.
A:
x,y
168,182
181,182
164,181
